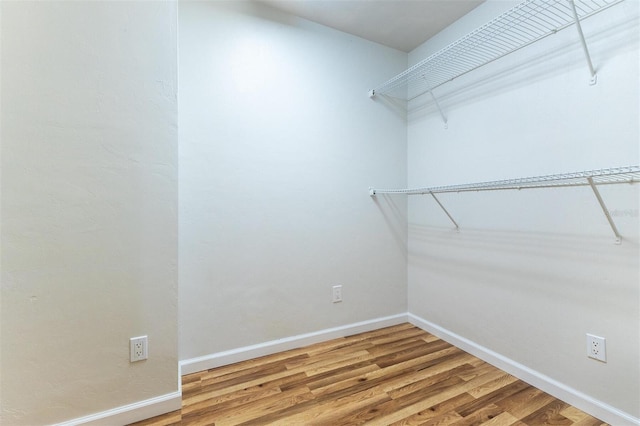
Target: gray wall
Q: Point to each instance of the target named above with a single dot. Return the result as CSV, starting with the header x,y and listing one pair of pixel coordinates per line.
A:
x,y
89,206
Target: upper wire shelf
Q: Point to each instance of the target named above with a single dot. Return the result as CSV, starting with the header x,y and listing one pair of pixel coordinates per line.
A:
x,y
628,174
520,26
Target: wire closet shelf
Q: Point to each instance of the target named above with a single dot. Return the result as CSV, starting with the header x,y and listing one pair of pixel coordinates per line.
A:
x,y
520,26
615,175
593,178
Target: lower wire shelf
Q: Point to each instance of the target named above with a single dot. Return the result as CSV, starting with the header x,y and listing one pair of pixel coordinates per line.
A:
x,y
592,178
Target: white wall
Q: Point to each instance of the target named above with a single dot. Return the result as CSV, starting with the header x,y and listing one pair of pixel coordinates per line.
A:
x,y
89,206
531,272
278,145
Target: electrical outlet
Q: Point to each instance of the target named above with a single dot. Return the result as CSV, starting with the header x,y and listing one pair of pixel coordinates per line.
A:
x,y
138,349
596,347
337,293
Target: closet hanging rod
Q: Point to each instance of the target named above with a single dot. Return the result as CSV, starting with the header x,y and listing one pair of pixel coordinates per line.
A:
x,y
614,175
528,22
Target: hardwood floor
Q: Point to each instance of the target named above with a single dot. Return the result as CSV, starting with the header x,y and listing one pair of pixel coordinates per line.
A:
x,y
398,375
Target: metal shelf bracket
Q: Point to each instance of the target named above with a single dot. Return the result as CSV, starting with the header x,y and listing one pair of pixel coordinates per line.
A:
x,y
435,101
605,210
446,212
592,71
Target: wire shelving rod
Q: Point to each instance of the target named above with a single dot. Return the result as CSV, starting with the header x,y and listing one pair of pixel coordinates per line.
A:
x,y
627,174
591,178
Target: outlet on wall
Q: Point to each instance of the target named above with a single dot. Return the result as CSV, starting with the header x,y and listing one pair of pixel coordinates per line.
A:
x,y
138,348
336,295
596,347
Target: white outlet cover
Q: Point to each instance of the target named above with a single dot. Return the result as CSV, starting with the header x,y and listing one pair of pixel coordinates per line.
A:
x,y
336,295
596,347
138,349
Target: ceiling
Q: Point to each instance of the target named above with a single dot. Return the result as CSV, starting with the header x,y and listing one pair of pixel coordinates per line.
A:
x,y
401,24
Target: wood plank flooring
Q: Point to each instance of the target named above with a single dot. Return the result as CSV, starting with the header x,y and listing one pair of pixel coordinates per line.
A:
x,y
398,375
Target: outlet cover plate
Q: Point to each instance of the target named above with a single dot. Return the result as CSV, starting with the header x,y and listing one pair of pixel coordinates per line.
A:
x,y
336,295
138,349
596,347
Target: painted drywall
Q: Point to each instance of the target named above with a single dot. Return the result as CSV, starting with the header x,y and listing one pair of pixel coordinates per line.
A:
x,y
278,146
531,272
89,206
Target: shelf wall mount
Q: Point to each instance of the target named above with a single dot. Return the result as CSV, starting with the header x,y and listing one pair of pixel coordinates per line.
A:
x,y
591,178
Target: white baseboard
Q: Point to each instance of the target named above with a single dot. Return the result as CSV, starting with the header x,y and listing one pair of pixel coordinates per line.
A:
x,y
559,390
173,401
218,359
131,413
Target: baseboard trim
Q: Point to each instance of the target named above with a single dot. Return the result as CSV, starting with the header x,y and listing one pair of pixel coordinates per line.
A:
x,y
218,359
173,401
584,402
132,412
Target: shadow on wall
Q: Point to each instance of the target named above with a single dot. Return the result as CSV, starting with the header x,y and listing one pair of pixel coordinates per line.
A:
x,y
395,105
527,262
507,75
395,218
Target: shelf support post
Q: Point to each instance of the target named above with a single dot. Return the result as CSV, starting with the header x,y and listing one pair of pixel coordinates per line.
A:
x,y
444,119
445,210
594,76
604,210
435,101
